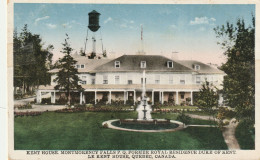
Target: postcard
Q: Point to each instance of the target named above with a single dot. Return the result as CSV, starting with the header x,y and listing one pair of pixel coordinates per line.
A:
x,y
133,80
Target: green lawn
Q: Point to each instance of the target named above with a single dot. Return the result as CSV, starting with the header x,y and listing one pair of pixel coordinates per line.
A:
x,y
174,117
245,136
83,131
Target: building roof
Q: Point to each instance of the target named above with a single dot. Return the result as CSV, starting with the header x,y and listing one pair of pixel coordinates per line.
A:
x,y
90,64
204,68
133,62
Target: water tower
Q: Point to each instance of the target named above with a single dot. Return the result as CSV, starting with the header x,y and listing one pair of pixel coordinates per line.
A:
x,y
93,26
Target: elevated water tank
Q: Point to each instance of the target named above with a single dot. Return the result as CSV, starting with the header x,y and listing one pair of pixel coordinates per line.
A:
x,y
93,23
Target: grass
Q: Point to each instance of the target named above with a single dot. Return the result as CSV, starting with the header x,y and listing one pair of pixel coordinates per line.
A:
x,y
201,113
174,116
83,131
245,136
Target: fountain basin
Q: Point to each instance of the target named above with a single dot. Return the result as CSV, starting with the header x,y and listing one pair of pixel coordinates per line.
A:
x,y
135,125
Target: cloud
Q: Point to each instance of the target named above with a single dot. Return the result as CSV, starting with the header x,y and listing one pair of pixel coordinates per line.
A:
x,y
108,20
202,20
67,25
173,26
40,19
51,26
127,24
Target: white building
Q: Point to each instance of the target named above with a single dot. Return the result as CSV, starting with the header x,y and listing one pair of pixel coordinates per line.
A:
x,y
120,79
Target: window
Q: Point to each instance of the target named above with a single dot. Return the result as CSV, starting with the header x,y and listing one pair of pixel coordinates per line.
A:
x,y
197,67
197,80
182,79
117,64
170,64
82,66
170,79
77,66
157,79
105,79
143,64
182,95
117,79
83,82
129,79
92,81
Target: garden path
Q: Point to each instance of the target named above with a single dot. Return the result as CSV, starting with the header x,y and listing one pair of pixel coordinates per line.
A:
x,y
42,108
27,100
228,131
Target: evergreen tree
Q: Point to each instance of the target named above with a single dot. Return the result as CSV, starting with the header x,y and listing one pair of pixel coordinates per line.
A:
x,y
207,97
239,83
67,77
31,60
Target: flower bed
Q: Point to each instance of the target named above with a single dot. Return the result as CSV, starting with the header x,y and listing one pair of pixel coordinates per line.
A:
x,y
21,114
91,109
26,106
173,110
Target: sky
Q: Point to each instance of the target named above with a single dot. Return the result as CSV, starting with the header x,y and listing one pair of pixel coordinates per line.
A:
x,y
185,31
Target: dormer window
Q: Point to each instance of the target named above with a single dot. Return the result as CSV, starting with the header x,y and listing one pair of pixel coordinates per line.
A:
x,y
117,64
143,64
170,64
82,66
197,67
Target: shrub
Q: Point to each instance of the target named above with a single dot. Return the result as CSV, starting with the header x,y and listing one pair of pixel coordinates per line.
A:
x,y
184,118
80,105
26,106
105,125
46,100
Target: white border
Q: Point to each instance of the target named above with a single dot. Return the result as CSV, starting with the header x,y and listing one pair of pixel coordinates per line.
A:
x,y
241,154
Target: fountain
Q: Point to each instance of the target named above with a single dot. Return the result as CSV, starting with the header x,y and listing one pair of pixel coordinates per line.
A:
x,y
144,109
144,121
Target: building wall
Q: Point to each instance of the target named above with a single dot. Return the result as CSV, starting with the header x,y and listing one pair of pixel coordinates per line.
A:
x,y
151,77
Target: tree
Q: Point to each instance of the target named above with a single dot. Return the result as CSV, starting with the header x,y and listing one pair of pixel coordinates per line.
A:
x,y
67,77
207,97
239,83
31,60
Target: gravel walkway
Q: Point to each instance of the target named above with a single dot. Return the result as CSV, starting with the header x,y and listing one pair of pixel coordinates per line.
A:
x,y
229,135
31,99
41,108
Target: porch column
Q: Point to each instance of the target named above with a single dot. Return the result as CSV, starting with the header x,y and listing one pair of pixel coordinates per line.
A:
x,y
162,98
83,98
95,97
80,101
124,97
53,97
191,98
177,97
152,97
134,96
39,96
109,100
